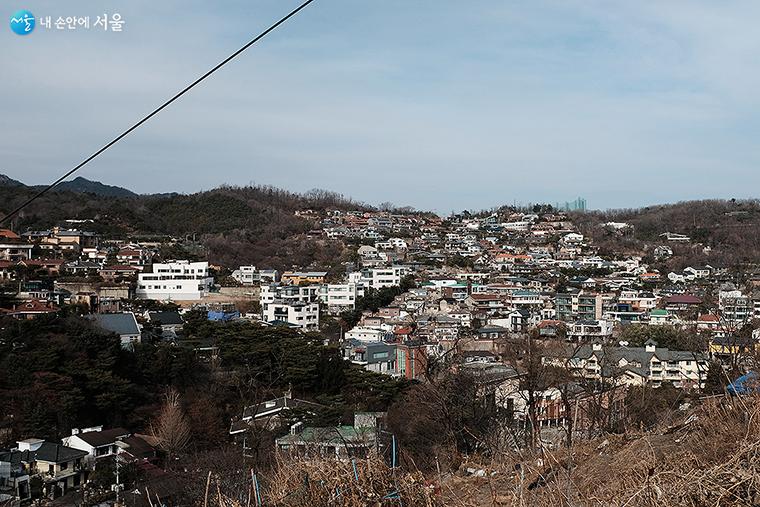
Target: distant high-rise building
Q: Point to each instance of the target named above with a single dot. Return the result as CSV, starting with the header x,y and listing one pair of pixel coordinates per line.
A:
x,y
577,205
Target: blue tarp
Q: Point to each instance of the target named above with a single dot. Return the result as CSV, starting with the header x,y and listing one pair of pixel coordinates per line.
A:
x,y
747,383
223,316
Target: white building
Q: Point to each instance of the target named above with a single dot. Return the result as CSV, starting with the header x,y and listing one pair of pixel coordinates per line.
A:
x,y
303,315
95,441
175,280
15,251
378,278
735,306
293,304
392,244
589,330
247,275
340,297
288,293
366,334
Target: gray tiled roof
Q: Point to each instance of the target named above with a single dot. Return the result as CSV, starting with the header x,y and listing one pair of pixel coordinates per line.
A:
x,y
119,323
103,437
166,318
637,354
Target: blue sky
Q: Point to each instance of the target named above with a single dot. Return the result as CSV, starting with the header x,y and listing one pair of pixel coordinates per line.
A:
x,y
439,105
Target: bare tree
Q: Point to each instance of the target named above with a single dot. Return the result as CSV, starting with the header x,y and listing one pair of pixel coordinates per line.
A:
x,y
526,354
171,428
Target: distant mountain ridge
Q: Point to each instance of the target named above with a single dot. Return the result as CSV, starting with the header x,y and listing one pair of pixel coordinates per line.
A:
x,y
84,186
78,185
6,181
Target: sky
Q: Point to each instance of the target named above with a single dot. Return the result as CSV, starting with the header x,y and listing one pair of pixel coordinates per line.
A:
x,y
441,105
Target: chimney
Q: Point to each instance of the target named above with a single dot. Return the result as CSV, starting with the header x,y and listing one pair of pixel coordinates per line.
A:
x,y
75,431
596,346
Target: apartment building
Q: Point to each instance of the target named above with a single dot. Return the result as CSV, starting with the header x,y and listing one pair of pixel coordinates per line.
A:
x,y
649,364
578,306
735,306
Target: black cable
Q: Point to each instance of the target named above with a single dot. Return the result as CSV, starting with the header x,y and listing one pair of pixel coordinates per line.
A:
x,y
155,111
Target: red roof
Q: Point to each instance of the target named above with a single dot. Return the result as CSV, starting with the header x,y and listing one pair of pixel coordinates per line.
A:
x,y
684,299
485,297
708,317
550,323
43,262
8,234
34,306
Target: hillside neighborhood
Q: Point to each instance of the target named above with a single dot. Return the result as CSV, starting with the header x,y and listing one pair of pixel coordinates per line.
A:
x,y
548,336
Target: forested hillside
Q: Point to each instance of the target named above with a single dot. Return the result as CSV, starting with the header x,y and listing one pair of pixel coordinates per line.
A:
x,y
58,373
237,224
730,229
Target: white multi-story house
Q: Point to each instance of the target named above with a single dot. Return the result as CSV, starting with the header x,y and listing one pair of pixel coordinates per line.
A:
x,y
175,280
524,299
386,277
15,251
699,271
293,304
340,297
392,244
735,306
247,275
378,278
303,315
589,330
289,293
366,334
638,300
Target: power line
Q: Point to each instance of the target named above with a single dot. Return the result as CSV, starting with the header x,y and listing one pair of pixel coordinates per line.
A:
x,y
156,111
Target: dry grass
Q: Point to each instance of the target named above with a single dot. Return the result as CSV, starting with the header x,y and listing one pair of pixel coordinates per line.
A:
x,y
296,482
712,457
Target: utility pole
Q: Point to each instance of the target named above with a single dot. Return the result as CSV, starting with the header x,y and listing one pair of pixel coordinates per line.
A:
x,y
118,479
